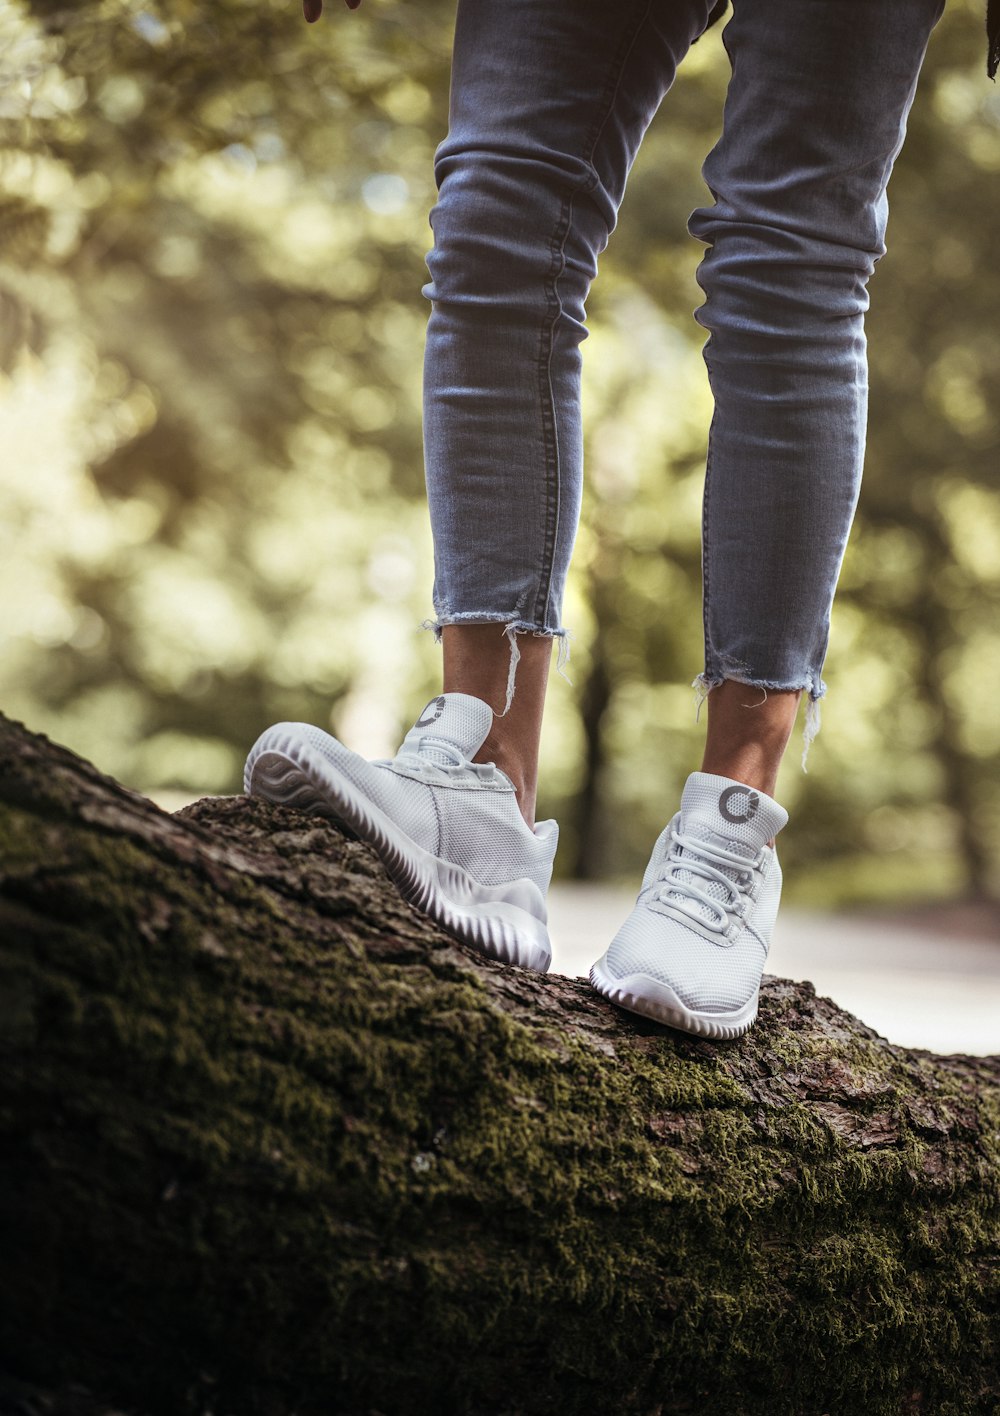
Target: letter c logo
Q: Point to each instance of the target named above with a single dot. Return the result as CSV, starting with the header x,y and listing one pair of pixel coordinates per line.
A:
x,y
753,803
427,717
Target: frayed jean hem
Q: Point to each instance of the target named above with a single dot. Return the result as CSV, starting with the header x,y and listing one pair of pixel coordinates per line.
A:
x,y
811,684
511,628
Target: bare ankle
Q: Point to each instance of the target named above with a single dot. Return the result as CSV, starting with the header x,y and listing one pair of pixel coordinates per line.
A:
x,y
748,731
525,785
477,660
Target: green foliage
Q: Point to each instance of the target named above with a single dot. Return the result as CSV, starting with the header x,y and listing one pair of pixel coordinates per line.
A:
x,y
212,228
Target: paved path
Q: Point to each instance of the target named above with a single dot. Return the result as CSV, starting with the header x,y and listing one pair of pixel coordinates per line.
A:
x,y
915,989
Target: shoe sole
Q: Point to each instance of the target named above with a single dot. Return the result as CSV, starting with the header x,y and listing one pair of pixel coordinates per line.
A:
x,y
283,769
650,998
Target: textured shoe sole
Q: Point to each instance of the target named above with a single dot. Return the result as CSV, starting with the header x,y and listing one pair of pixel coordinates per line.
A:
x,y
652,999
284,769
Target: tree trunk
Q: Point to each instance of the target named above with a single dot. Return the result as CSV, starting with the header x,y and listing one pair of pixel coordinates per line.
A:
x,y
271,1143
595,699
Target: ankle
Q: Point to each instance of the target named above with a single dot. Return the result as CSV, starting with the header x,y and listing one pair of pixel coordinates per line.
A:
x,y
477,660
749,768
522,775
748,731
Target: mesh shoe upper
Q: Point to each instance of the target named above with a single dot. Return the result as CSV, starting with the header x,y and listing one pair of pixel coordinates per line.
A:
x,y
461,811
703,920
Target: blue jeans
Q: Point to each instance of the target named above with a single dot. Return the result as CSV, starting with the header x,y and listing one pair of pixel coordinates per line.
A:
x,y
549,103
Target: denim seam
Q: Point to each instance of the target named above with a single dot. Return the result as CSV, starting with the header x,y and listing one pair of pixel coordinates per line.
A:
x,y
557,247
550,429
733,672
613,86
709,647
504,617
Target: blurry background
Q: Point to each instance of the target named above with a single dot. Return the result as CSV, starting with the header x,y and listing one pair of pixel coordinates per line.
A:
x,y
213,222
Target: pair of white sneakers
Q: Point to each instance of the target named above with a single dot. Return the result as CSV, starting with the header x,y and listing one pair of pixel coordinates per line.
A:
x,y
450,833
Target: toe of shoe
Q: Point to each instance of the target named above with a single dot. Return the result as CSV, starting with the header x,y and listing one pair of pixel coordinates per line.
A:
x,y
703,977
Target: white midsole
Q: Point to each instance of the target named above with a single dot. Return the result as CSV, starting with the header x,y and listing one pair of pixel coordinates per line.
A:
x,y
639,993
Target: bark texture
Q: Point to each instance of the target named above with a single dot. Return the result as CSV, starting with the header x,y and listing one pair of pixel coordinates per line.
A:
x,y
271,1144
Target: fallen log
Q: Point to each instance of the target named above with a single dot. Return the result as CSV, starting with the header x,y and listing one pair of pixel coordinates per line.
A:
x,y
272,1144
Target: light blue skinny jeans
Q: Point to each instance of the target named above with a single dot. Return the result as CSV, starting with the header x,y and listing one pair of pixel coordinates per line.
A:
x,y
549,103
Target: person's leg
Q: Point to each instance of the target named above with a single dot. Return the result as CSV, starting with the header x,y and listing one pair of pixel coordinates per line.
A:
x,y
815,115
549,103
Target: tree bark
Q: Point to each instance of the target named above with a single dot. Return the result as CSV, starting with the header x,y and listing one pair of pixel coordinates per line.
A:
x,y
271,1144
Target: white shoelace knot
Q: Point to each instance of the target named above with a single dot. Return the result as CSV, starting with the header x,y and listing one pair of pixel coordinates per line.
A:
x,y
696,857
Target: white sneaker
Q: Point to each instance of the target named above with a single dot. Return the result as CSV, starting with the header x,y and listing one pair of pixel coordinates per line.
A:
x,y
448,830
692,952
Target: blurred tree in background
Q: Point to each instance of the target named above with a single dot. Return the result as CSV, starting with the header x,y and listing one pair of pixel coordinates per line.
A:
x,y
213,222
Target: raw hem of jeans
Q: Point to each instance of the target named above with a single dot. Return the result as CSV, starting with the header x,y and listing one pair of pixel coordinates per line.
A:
x,y
811,684
511,628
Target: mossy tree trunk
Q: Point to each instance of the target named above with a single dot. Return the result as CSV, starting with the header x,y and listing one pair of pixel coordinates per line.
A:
x,y
271,1143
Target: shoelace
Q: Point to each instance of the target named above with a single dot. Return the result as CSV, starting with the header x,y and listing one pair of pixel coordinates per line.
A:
x,y
698,860
414,758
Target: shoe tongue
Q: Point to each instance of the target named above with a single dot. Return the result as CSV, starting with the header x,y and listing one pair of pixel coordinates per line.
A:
x,y
741,817
456,718
727,814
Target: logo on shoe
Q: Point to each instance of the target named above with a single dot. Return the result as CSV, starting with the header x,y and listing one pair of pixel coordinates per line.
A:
x,y
752,805
427,717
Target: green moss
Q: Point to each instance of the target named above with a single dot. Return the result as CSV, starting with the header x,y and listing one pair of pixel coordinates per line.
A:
x,y
258,1167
